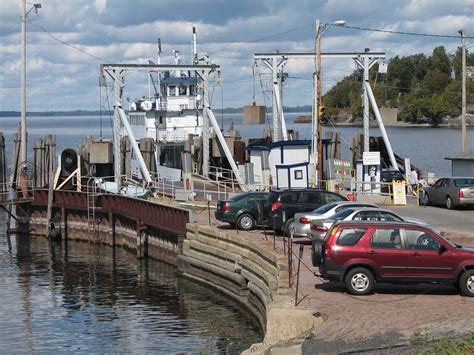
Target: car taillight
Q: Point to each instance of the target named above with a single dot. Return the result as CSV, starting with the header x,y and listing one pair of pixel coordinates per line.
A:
x,y
225,207
334,231
321,229
276,206
461,194
305,221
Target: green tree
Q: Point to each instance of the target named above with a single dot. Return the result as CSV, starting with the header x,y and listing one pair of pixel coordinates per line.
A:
x,y
435,108
440,60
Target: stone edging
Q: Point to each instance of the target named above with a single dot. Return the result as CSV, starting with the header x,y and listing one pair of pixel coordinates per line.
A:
x,y
250,272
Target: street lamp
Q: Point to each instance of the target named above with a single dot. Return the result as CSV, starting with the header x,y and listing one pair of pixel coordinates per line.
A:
x,y
23,144
318,151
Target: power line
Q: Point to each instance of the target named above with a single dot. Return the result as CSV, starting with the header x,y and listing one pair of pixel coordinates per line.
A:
x,y
67,43
262,39
402,32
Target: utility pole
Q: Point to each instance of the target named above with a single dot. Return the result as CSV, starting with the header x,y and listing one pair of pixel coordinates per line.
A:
x,y
463,114
23,137
317,58
318,101
23,145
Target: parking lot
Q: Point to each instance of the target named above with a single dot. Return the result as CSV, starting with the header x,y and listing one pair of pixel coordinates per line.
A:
x,y
393,315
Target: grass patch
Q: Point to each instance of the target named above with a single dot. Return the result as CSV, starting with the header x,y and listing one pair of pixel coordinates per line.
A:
x,y
451,346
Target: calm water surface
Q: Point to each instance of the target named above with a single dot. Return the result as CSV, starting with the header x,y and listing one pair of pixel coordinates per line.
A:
x,y
426,147
81,297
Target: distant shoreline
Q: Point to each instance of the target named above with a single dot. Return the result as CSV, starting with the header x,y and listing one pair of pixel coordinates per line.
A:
x,y
299,109
453,124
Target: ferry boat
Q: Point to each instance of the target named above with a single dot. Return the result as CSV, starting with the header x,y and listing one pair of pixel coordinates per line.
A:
x,y
171,117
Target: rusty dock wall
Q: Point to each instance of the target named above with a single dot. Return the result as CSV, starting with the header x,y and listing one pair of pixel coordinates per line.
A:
x,y
150,229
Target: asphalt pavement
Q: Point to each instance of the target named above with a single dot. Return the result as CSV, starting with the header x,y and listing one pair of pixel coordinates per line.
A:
x,y
455,223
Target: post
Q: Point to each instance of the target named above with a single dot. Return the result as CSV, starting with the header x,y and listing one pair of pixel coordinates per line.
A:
x,y
118,77
275,113
463,114
205,126
366,104
318,98
300,256
49,210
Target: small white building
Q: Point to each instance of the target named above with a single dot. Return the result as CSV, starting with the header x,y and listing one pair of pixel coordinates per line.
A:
x,y
462,164
282,164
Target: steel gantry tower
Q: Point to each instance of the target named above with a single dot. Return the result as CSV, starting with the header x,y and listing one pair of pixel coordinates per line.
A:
x,y
364,60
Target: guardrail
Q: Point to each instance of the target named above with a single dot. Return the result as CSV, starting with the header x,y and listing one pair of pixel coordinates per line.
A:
x,y
160,216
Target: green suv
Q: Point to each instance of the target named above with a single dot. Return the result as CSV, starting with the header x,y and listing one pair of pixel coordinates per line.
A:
x,y
243,210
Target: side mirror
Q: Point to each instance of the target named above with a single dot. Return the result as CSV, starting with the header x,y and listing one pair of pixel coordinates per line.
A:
x,y
442,249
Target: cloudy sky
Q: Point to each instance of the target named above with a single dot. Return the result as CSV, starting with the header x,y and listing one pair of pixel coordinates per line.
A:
x,y
61,77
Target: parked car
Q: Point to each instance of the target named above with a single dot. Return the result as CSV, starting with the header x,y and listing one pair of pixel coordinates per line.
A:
x,y
388,176
283,204
242,210
319,227
360,253
302,220
451,192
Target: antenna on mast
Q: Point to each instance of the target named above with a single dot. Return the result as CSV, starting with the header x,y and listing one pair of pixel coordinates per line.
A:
x,y
195,59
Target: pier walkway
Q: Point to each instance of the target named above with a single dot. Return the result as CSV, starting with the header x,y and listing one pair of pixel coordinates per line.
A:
x,y
394,315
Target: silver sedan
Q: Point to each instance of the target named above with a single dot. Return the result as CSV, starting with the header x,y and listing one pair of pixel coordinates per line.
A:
x,y
301,223
319,228
451,192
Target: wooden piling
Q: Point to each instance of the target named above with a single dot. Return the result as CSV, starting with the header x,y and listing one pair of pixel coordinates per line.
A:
x,y
3,165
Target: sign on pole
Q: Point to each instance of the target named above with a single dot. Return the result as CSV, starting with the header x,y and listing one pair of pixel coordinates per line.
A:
x,y
371,158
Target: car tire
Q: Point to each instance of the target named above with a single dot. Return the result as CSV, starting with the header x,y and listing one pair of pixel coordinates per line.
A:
x,y
359,281
316,252
449,203
286,228
245,222
466,283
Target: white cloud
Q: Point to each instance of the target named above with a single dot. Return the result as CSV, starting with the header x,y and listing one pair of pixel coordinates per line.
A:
x,y
100,5
231,32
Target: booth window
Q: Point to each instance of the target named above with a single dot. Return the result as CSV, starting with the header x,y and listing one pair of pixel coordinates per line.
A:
x,y
298,174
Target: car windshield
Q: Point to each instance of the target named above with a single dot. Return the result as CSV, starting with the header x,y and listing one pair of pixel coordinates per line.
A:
x,y
323,209
438,233
342,214
239,197
464,182
273,197
392,175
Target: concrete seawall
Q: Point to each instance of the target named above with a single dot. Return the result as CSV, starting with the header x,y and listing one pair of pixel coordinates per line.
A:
x,y
253,274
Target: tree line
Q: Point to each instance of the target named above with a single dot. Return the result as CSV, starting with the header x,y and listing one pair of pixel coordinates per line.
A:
x,y
423,88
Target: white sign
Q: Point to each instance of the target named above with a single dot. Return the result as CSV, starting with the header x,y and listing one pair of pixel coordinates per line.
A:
x,y
399,195
371,158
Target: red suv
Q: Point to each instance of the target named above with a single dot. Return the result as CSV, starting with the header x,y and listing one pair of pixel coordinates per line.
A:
x,y
362,253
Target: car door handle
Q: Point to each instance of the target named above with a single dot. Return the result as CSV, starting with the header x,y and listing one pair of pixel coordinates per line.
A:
x,y
415,254
372,252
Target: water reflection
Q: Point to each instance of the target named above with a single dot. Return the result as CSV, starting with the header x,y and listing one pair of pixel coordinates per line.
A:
x,y
81,297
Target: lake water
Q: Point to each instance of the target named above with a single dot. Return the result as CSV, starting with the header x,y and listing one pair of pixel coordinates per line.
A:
x,y
426,147
80,297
